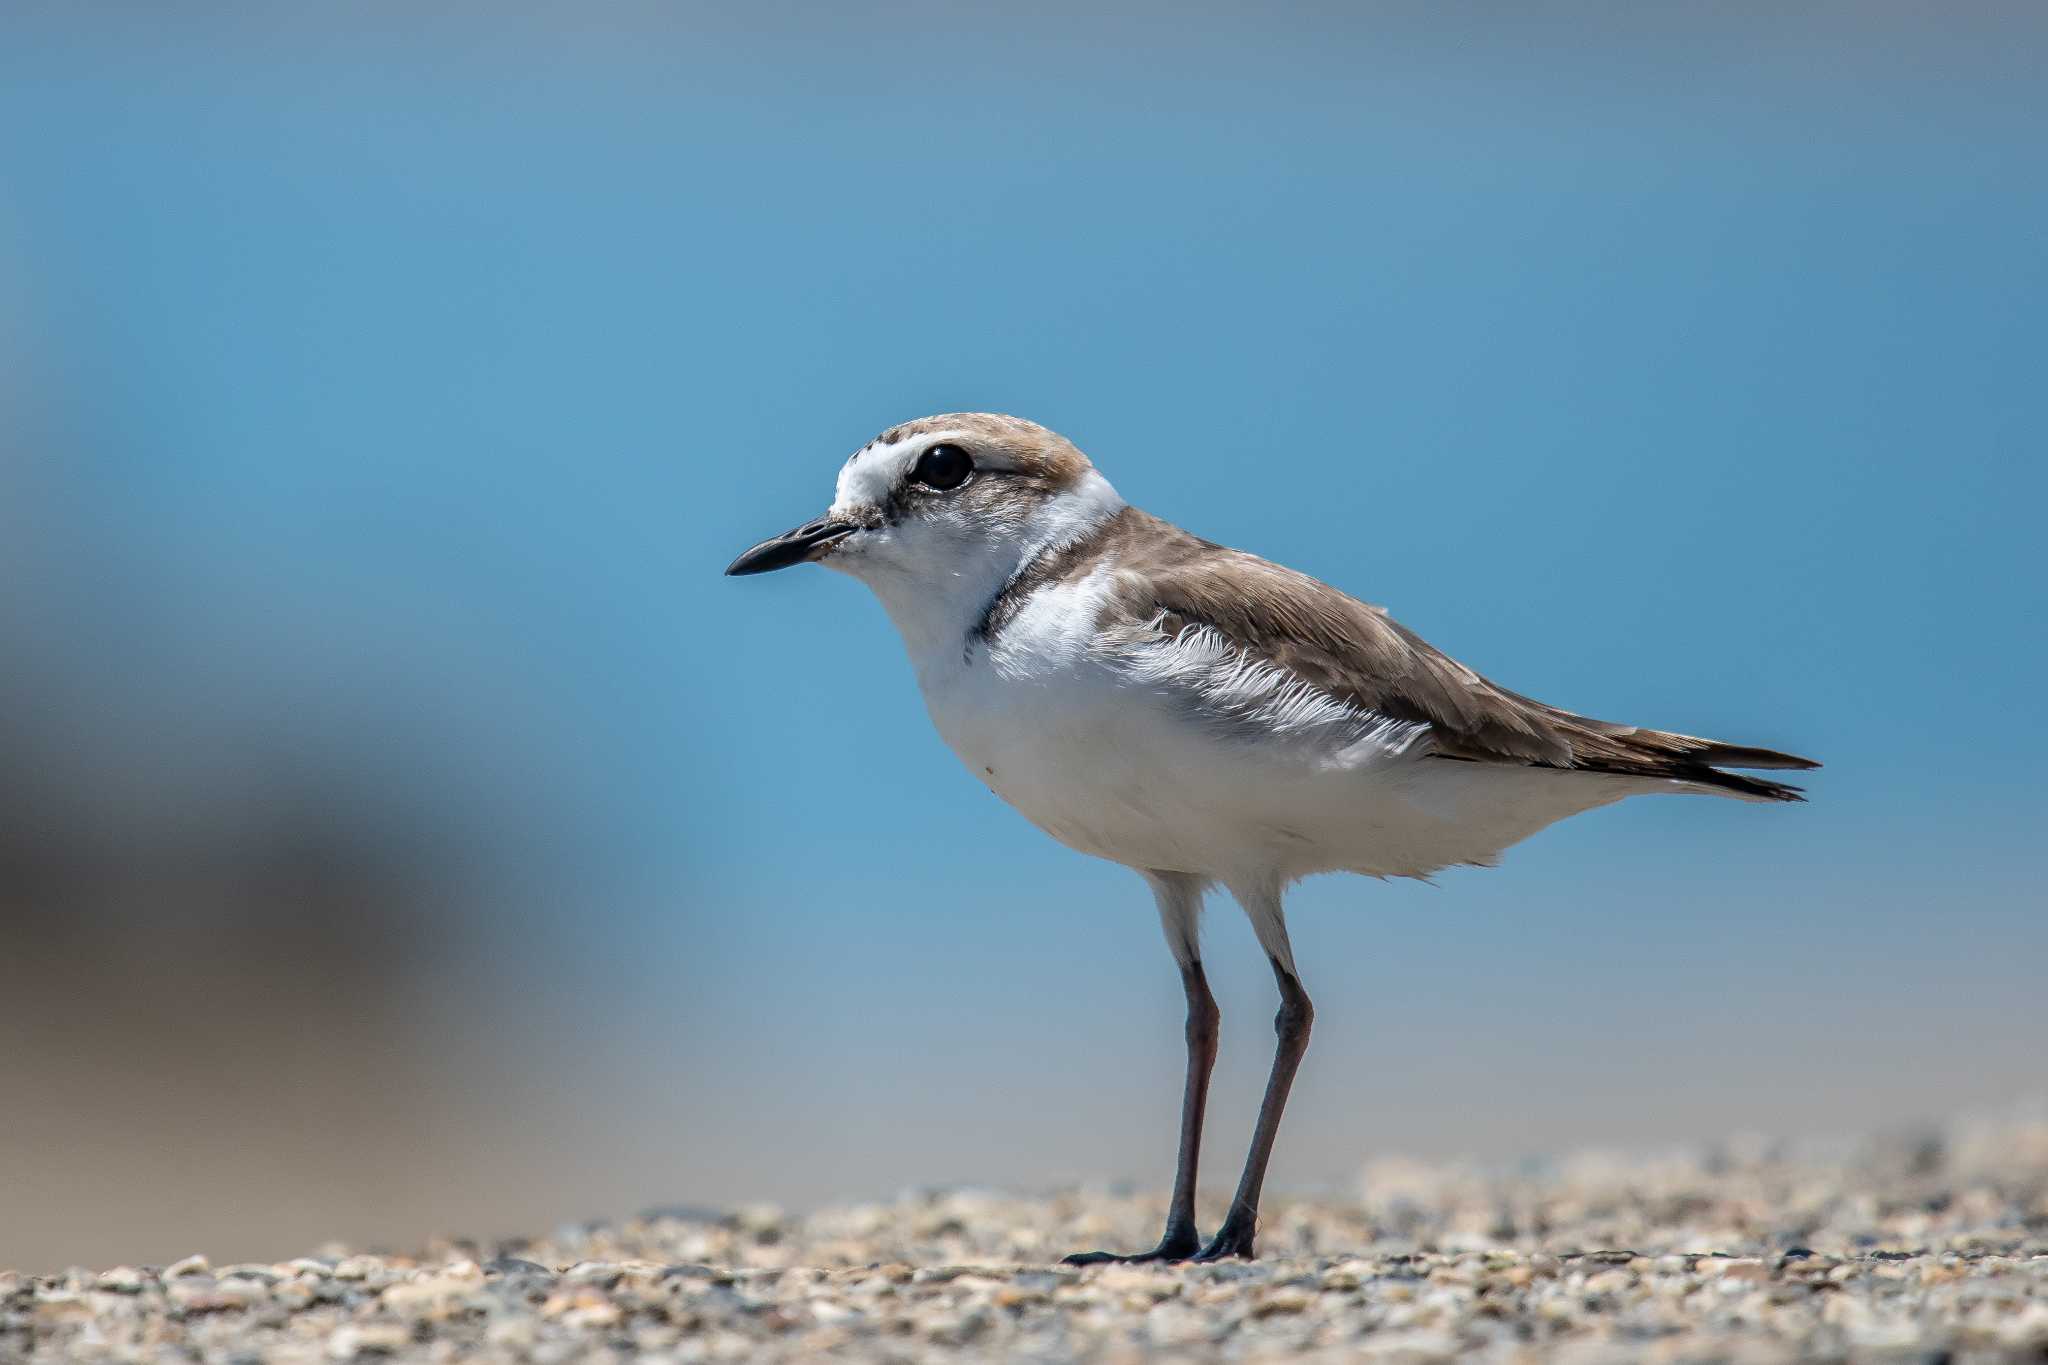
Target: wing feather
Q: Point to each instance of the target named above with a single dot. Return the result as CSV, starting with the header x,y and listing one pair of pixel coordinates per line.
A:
x,y
1169,581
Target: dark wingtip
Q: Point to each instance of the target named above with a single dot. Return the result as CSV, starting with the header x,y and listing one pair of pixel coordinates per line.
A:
x,y
1761,787
1747,756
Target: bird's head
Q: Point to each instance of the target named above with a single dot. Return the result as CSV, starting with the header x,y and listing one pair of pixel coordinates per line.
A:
x,y
937,514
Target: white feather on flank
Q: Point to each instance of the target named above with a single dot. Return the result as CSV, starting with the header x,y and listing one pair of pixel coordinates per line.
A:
x,y
1239,695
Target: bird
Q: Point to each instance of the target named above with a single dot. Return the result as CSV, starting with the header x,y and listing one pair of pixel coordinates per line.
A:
x,y
1204,717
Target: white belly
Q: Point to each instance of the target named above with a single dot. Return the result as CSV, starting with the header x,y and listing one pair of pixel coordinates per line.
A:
x,y
1095,767
1118,771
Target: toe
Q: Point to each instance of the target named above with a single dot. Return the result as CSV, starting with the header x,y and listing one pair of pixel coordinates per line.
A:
x,y
1230,1244
1169,1251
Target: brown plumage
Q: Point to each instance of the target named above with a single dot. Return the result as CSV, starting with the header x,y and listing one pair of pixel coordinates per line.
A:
x,y
1014,445
1165,580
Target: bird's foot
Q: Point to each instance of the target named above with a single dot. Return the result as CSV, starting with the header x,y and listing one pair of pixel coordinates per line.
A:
x,y
1179,1244
1232,1241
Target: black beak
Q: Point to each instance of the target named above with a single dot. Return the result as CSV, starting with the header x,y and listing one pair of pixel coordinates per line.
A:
x,y
805,543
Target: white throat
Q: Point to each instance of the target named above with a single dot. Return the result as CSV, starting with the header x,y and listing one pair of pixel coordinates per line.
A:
x,y
939,588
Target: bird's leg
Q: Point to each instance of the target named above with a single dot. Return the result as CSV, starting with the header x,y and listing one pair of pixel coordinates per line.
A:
x,y
1181,1240
1241,1225
1179,901
1204,1020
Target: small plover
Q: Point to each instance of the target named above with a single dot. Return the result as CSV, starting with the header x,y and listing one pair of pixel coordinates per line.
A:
x,y
1203,716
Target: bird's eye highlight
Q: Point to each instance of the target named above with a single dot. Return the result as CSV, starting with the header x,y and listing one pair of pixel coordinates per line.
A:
x,y
943,467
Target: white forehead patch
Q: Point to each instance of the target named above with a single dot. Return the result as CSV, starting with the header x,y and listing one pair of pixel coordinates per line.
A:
x,y
872,474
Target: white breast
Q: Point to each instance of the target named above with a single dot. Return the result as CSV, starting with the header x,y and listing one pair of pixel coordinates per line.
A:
x,y
1054,728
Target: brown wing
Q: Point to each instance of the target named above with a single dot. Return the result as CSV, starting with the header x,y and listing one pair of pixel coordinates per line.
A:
x,y
1356,652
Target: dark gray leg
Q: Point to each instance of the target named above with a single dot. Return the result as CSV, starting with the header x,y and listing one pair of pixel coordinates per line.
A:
x,y
1241,1225
1180,902
1182,1240
1203,1023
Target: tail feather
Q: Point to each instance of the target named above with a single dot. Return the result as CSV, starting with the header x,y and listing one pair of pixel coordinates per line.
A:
x,y
1737,784
1641,752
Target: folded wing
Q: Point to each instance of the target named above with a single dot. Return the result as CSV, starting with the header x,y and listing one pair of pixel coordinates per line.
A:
x,y
1170,582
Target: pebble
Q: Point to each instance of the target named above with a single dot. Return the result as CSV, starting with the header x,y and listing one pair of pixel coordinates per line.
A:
x,y
1748,1254
124,1279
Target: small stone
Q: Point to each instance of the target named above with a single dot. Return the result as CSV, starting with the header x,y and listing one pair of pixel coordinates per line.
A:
x,y
604,1313
1285,1300
1342,1280
512,1333
512,1265
125,1279
1718,1267
353,1341
955,1329
758,1218
1147,1285
192,1265
63,1306
1175,1324
432,1296
204,1294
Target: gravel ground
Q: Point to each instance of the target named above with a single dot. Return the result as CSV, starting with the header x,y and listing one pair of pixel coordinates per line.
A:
x,y
1929,1249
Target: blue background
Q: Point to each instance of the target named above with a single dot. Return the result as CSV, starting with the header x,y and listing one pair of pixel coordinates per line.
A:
x,y
381,395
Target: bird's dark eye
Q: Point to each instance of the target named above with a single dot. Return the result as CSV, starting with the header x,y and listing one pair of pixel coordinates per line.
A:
x,y
943,467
